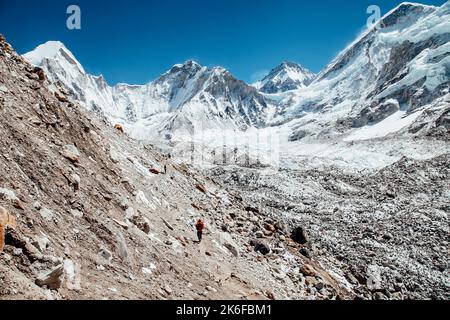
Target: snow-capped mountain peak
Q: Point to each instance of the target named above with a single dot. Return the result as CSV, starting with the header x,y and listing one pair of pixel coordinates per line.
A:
x,y
187,66
396,68
285,77
403,12
54,50
401,64
186,96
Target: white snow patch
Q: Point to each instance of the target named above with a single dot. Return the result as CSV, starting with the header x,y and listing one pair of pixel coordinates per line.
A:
x,y
391,124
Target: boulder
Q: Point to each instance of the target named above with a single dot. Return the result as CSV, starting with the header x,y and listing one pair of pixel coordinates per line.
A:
x,y
76,213
259,234
211,289
167,289
374,280
3,88
311,281
154,171
52,279
304,252
141,223
41,243
260,246
281,227
104,257
129,211
122,249
71,152
182,240
47,214
75,180
379,296
40,73
319,285
267,233
200,188
37,205
61,96
351,278
17,240
269,227
168,225
299,235
227,241
251,209
390,194
72,272
149,270
308,270
121,224
113,156
9,195
297,135
270,295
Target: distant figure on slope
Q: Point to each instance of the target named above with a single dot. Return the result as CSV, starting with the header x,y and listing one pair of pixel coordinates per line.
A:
x,y
119,128
199,225
165,169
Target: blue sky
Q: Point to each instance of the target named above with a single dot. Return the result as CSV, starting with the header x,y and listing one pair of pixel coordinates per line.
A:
x,y
134,41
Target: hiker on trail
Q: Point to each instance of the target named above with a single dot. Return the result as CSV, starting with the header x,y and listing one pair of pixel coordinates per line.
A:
x,y
199,225
165,169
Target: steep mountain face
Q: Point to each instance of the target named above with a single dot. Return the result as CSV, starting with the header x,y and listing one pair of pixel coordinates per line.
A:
x,y
62,67
186,98
399,67
285,77
392,80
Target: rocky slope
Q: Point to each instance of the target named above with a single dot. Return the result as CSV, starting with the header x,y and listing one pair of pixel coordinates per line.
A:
x,y
384,235
94,222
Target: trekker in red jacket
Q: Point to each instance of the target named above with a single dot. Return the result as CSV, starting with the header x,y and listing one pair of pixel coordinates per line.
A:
x,y
199,225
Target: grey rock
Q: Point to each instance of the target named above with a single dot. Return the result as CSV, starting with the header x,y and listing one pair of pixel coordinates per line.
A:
x,y
52,279
41,243
76,180
76,213
261,246
259,234
104,257
122,248
47,214
299,235
71,152
37,205
8,195
379,296
228,242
